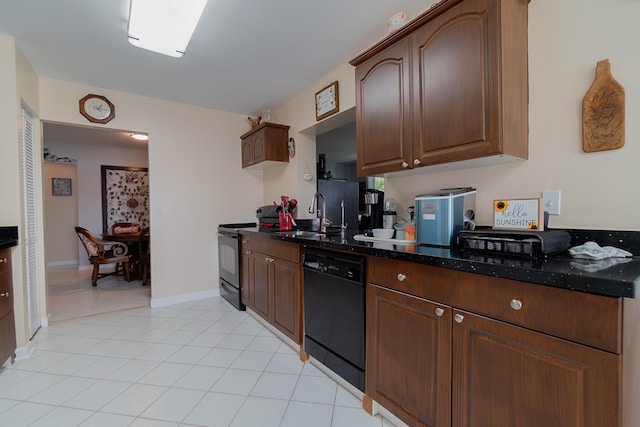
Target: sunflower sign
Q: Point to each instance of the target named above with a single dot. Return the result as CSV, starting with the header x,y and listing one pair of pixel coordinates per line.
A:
x,y
518,214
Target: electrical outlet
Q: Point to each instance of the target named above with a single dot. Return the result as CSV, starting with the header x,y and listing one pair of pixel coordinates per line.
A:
x,y
551,201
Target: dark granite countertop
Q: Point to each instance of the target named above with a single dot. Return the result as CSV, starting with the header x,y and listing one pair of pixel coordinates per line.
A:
x,y
8,237
614,277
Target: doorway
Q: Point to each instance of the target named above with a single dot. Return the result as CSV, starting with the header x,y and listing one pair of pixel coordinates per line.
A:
x,y
74,155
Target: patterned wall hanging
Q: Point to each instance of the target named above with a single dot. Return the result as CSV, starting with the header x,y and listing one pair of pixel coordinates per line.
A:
x,y
125,196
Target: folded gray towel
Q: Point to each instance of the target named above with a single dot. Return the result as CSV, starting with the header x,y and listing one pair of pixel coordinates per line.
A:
x,y
591,250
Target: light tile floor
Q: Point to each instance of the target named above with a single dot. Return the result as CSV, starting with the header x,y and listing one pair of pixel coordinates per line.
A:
x,y
194,364
71,295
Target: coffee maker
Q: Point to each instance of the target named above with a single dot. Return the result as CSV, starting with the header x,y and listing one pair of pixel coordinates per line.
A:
x,y
374,207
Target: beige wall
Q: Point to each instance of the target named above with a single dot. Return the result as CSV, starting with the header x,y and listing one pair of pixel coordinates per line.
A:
x,y
299,113
564,46
60,216
195,180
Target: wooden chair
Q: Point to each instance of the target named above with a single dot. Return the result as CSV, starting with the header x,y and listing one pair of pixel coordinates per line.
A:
x,y
145,254
125,227
104,252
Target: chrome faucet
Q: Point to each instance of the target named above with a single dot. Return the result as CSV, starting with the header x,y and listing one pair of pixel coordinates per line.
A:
x,y
324,221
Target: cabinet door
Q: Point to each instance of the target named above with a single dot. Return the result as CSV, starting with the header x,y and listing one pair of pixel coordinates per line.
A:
x,y
409,357
246,277
259,146
383,118
456,72
247,151
7,322
286,295
261,277
505,375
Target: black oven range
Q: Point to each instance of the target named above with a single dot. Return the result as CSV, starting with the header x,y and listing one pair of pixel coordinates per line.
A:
x,y
229,262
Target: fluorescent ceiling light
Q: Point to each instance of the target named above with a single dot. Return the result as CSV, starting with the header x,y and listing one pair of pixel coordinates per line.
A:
x,y
164,26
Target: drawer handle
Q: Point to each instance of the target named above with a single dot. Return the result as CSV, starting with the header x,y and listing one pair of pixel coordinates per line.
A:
x,y
516,304
268,259
244,242
5,294
439,312
416,162
401,277
3,260
458,318
405,165
247,252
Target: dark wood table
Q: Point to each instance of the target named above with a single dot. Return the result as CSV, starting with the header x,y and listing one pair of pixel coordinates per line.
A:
x,y
138,244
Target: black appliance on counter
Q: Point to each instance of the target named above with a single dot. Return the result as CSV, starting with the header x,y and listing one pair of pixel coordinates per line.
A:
x,y
373,202
517,243
334,312
268,218
229,262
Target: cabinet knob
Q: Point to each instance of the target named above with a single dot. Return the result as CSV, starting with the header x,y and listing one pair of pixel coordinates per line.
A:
x,y
405,165
439,312
416,162
244,242
516,304
247,252
5,294
458,318
401,277
3,260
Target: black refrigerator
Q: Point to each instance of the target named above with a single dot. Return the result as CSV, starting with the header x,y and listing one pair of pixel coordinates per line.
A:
x,y
335,191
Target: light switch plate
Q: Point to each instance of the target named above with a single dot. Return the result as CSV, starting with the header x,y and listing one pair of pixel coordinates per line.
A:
x,y
551,201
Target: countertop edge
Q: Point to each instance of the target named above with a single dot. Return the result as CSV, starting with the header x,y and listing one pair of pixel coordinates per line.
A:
x,y
567,277
4,244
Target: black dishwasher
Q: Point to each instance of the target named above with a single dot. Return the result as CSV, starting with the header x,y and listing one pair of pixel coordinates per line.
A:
x,y
334,314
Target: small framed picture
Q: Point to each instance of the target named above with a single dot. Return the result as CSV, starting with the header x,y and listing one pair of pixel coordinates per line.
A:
x,y
327,101
61,186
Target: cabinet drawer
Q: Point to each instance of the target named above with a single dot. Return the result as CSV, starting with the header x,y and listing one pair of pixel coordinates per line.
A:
x,y
593,320
420,280
277,249
6,281
245,242
5,260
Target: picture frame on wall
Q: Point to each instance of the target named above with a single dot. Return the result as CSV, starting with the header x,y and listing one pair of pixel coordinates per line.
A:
x,y
61,186
327,101
125,195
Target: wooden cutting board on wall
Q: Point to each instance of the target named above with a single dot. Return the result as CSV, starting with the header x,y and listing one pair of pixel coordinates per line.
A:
x,y
603,112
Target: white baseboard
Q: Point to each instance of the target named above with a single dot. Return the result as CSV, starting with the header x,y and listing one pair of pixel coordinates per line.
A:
x,y
24,352
62,263
195,296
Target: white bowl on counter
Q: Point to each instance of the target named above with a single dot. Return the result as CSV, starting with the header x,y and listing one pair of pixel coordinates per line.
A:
x,y
383,233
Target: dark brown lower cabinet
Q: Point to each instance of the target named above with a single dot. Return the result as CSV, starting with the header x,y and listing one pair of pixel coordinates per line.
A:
x,y
504,375
7,321
273,286
433,364
409,356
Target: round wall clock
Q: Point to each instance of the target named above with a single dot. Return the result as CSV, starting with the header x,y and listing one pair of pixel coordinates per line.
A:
x,y
97,108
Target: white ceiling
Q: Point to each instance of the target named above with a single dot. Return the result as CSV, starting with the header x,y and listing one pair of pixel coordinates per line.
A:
x,y
244,54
